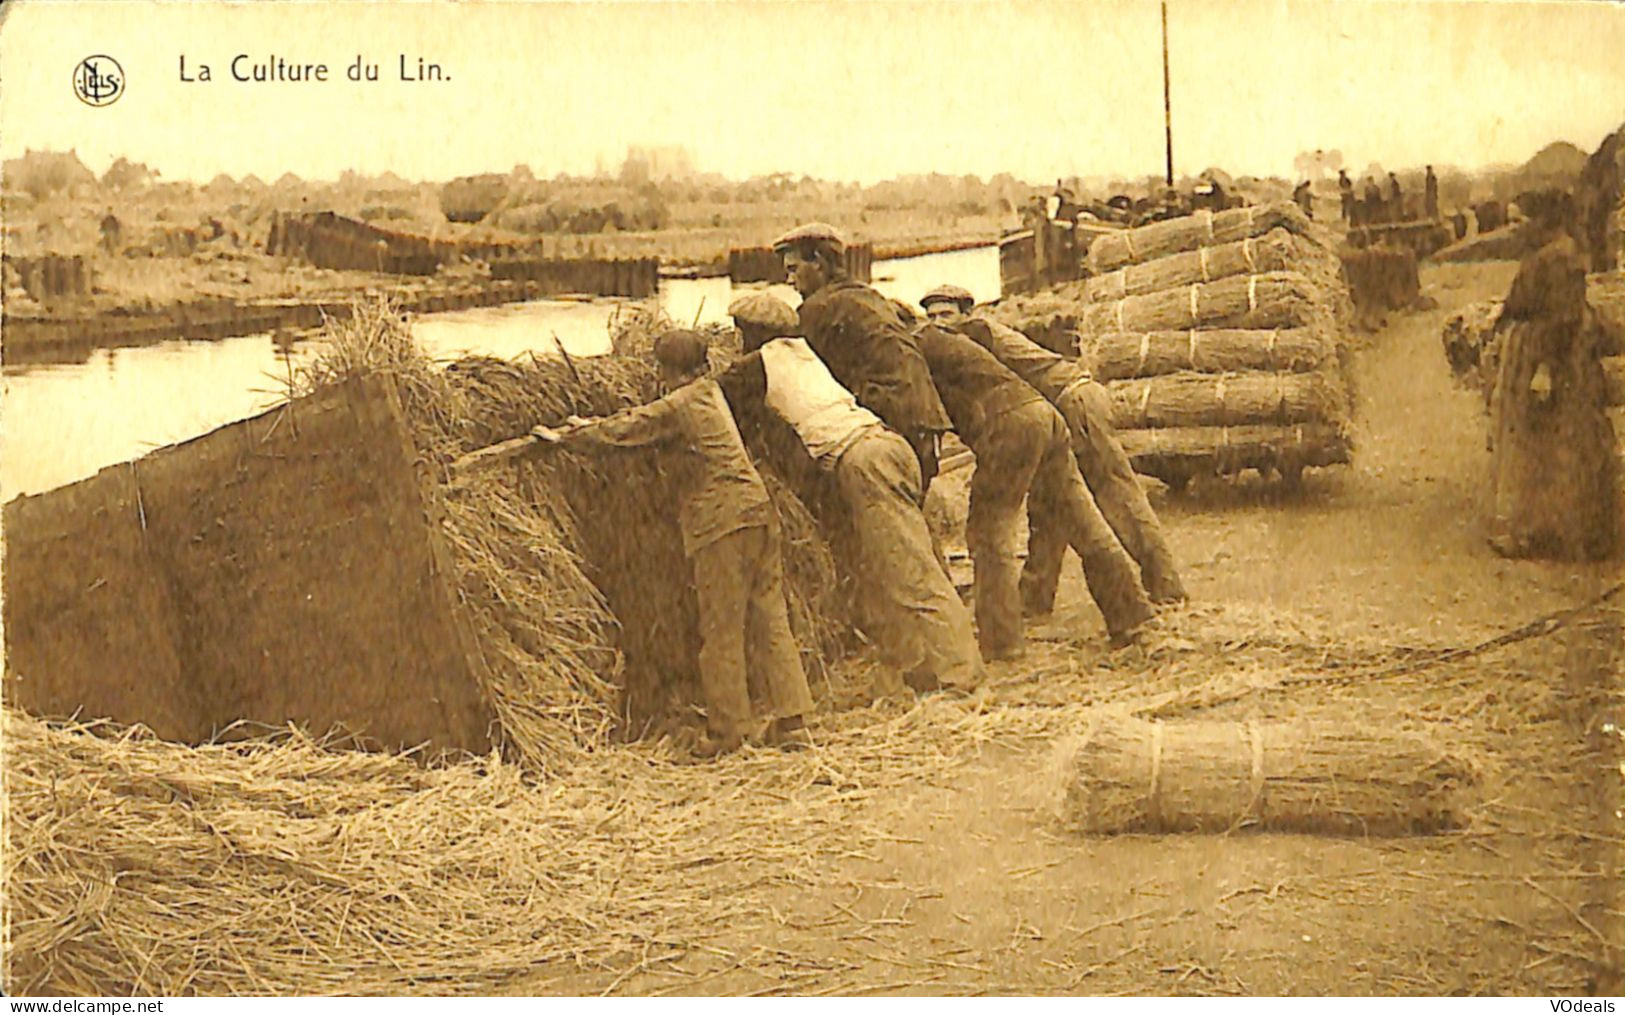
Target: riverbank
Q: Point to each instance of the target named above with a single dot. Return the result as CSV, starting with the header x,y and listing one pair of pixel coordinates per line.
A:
x,y
229,293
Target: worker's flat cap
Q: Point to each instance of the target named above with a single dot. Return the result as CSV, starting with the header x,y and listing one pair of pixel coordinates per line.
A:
x,y
948,294
681,349
764,311
821,232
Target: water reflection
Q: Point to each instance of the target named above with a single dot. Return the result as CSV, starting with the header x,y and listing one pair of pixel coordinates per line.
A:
x,y
62,422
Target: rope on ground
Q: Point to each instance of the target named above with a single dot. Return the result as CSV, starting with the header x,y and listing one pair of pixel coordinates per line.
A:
x,y
1210,696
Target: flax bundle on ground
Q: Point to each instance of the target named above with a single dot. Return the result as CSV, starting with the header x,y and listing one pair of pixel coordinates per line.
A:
x,y
1125,775
1203,229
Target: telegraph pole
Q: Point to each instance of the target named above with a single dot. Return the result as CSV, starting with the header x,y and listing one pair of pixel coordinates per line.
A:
x,y
1167,101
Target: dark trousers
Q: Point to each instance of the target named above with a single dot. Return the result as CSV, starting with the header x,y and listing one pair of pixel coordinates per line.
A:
x,y
1026,453
1109,476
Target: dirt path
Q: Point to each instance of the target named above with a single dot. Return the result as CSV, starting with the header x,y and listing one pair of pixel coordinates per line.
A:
x,y
965,883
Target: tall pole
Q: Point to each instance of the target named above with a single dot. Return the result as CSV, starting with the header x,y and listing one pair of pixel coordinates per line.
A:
x,y
1167,101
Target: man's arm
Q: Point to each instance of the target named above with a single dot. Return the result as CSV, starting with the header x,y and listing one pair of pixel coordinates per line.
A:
x,y
744,383
640,426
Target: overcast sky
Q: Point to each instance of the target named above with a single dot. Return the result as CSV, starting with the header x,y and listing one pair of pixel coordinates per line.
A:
x,y
852,91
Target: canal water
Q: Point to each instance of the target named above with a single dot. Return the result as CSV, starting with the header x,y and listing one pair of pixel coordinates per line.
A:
x,y
63,422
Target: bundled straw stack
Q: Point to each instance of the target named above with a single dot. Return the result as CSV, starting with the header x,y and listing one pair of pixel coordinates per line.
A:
x,y
1220,337
573,564
1471,345
1126,775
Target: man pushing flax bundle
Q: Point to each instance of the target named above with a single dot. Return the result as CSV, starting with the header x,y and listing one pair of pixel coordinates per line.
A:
x,y
857,334
731,537
906,603
1086,407
1023,450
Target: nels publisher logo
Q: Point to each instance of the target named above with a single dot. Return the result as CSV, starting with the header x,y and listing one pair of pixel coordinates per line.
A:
x,y
98,80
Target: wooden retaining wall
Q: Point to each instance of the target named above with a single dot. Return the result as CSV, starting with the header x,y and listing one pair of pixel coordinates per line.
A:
x,y
50,277
328,240
761,264
1033,259
635,277
68,339
286,568
1422,238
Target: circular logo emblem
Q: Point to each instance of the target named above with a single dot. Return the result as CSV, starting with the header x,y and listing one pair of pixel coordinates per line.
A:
x,y
98,80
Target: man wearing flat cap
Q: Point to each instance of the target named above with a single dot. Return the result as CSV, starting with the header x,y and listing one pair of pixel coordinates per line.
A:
x,y
905,602
730,535
858,335
1023,450
1086,407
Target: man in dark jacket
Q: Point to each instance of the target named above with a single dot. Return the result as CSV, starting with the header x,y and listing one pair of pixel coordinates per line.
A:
x,y
857,334
1086,407
1374,211
874,524
1023,450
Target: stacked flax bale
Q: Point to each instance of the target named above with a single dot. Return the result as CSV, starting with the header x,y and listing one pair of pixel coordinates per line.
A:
x,y
572,564
1220,337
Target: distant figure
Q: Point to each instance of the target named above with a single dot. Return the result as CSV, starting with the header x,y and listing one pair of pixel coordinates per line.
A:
x,y
1396,200
1034,213
1345,194
1210,195
1067,208
1553,447
111,231
1430,195
1304,199
1373,203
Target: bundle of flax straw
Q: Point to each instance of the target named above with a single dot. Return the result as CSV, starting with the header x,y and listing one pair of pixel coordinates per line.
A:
x,y
1203,229
1175,452
1278,299
1188,399
1125,775
1279,250
1221,339
1116,355
572,564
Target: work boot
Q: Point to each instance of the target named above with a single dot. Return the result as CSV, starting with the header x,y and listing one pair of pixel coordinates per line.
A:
x,y
921,680
714,745
1137,634
790,734
1164,589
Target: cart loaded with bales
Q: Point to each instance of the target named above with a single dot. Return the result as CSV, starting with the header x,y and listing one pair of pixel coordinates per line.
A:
x,y
1222,337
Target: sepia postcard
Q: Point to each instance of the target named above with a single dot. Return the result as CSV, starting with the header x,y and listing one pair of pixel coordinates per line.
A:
x,y
759,498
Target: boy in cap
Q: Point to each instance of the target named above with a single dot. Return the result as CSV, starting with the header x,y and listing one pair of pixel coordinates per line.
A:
x,y
731,537
858,335
1086,407
912,613
1022,447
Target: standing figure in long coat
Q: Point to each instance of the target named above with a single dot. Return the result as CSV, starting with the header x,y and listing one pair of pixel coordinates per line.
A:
x,y
1553,447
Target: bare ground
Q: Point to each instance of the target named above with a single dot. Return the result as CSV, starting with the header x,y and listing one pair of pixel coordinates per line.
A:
x,y
956,876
